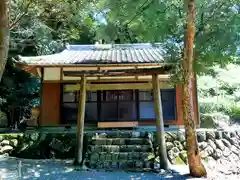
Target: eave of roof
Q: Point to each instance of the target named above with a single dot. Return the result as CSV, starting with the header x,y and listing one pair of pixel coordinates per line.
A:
x,y
100,55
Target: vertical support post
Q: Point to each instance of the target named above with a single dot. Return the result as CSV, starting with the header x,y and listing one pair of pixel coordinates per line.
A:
x,y
39,120
80,122
159,123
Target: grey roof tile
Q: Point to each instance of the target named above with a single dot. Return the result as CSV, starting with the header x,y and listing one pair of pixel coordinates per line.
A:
x,y
101,54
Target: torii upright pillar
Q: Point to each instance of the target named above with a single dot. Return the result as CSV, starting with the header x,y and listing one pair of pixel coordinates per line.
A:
x,y
80,122
159,123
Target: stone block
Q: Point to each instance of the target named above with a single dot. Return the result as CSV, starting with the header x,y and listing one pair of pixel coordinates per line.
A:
x,y
115,156
227,152
135,155
122,165
238,134
108,157
203,154
135,141
168,137
14,142
123,156
114,165
226,143
210,135
6,149
212,144
201,136
94,157
181,137
183,156
125,134
92,164
100,141
218,134
100,165
57,145
235,150
220,144
107,165
118,141
202,145
217,154
226,135
147,165
130,164
209,150
34,136
173,153
5,142
169,145
233,134
139,164
102,135
178,145
102,156
234,141
143,134
109,141
136,134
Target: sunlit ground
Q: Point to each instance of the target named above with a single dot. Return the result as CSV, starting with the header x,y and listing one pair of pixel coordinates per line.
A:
x,y
25,169
13,169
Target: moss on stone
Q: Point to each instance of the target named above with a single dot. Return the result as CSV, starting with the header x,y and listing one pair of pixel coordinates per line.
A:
x,y
178,161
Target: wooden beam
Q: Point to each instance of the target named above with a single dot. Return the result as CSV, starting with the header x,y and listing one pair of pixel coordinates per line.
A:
x,y
119,72
116,86
117,124
159,123
80,122
94,87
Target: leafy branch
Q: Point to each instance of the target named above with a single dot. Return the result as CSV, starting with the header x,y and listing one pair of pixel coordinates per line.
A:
x,y
203,23
19,17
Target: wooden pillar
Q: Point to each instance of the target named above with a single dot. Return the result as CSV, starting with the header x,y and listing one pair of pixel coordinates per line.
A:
x,y
80,122
159,123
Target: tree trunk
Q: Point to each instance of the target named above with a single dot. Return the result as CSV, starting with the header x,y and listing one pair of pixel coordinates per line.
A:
x,y
4,35
196,167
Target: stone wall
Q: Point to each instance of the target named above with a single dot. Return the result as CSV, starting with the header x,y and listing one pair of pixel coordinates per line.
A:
x,y
212,144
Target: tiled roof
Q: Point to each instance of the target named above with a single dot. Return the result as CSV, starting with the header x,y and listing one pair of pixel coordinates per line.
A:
x,y
101,54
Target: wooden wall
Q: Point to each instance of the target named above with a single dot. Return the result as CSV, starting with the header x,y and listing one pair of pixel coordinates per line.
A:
x,y
50,104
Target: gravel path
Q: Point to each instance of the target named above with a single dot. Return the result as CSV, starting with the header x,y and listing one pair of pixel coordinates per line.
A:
x,y
12,169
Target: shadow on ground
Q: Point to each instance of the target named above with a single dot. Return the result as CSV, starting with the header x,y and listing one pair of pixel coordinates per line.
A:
x,y
12,169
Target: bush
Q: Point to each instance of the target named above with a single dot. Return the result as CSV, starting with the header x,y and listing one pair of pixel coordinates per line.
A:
x,y
3,119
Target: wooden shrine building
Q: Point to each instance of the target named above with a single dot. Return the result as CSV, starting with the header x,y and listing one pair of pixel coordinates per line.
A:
x,y
108,86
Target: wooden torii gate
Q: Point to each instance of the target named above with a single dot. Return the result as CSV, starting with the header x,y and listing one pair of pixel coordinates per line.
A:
x,y
154,72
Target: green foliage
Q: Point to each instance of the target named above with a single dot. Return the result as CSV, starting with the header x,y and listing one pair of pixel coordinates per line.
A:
x,y
220,93
41,27
217,27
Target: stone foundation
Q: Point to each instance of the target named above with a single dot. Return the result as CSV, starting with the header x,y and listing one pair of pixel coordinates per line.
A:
x,y
119,149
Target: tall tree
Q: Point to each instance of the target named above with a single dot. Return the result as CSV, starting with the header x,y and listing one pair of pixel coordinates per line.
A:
x,y
196,167
4,35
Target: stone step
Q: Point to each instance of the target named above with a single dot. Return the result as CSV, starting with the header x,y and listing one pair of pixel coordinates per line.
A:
x,y
120,156
122,148
120,141
130,164
123,134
